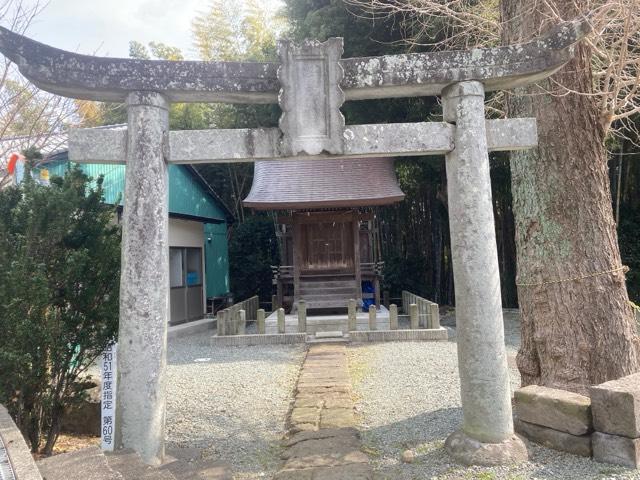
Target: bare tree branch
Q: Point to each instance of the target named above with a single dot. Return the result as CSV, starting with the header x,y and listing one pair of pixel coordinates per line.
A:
x,y
615,43
29,117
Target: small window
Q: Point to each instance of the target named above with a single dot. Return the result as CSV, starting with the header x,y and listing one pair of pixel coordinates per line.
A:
x,y
175,267
194,266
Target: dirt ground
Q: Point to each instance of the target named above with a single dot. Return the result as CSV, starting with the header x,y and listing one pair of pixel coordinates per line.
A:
x,y
70,443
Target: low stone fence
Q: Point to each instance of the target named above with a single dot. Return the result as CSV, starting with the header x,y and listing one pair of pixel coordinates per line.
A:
x,y
360,336
254,340
605,426
422,313
233,320
367,336
250,306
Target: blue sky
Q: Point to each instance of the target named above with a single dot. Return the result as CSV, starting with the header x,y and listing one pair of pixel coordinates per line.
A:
x,y
105,27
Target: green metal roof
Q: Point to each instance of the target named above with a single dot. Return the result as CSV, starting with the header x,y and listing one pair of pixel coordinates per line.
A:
x,y
188,194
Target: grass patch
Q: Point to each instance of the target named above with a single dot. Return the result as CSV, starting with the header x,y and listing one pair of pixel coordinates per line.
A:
x,y
481,476
371,451
425,448
607,472
269,457
368,445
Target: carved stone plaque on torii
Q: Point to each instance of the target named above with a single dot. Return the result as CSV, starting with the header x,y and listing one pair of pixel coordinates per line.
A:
x,y
310,83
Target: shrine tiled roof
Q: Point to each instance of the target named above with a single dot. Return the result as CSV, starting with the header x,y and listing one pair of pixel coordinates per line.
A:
x,y
323,183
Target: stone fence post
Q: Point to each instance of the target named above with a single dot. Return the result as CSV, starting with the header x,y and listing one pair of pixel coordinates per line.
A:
x,y
260,321
373,323
242,322
434,315
254,306
302,316
220,323
281,320
229,322
413,316
393,317
352,317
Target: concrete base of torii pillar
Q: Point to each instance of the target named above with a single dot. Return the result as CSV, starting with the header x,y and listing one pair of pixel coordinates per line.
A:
x,y
487,436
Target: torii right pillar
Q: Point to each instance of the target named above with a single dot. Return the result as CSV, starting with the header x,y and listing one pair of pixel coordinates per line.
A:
x,y
487,436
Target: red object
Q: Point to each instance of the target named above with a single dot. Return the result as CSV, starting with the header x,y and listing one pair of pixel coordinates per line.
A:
x,y
13,159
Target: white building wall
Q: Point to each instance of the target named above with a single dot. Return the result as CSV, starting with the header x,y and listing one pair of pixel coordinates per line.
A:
x,y
186,233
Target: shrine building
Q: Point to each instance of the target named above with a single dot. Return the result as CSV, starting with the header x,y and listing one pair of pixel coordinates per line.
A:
x,y
326,227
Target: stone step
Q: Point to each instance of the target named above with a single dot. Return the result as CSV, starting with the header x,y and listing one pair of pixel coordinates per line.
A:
x,y
315,339
324,307
343,292
85,464
342,296
328,284
313,287
326,303
335,303
331,334
347,293
337,292
326,274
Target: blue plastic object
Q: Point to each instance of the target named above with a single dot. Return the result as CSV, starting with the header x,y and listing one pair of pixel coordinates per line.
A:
x,y
367,287
193,278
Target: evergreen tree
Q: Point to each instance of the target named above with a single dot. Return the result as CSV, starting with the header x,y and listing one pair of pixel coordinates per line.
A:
x,y
59,270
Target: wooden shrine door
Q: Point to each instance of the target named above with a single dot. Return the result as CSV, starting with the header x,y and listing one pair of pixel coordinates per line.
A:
x,y
327,247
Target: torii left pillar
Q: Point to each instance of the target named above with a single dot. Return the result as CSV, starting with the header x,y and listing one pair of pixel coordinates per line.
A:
x,y
144,281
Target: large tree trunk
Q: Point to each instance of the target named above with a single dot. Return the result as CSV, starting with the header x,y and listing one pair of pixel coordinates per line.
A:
x,y
575,332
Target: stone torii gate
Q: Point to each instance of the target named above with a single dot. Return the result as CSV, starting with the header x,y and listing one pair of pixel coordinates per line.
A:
x,y
310,83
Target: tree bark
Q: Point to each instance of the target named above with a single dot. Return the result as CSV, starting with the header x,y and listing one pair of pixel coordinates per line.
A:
x,y
575,332
54,431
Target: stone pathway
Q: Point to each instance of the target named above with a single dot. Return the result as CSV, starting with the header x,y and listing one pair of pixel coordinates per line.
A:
x,y
323,442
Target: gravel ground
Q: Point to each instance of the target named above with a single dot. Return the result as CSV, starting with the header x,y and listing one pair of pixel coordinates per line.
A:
x,y
231,402
408,397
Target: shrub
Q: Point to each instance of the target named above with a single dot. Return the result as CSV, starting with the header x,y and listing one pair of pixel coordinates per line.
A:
x,y
59,271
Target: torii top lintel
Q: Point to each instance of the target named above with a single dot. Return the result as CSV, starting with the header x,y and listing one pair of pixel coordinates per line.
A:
x,y
418,74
